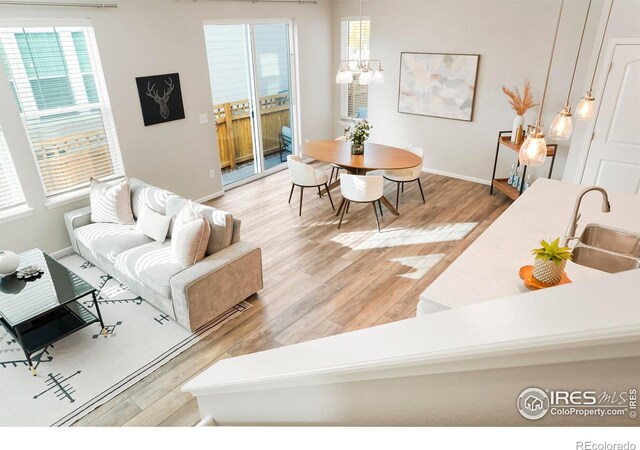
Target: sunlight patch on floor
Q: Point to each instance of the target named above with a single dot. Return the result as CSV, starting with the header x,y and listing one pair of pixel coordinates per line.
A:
x,y
395,237
421,264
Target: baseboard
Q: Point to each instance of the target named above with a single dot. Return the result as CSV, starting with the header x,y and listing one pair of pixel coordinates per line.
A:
x,y
62,253
456,175
210,197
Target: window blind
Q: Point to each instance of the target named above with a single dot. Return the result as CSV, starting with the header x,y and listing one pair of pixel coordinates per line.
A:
x,y
57,79
356,96
11,194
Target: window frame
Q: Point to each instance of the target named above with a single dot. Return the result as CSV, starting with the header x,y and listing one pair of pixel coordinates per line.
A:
x,y
345,55
10,172
76,77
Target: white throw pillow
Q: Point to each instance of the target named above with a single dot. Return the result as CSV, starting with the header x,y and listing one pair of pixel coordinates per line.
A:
x,y
111,204
153,224
190,236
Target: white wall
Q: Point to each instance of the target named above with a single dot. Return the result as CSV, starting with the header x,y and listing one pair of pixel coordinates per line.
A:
x,y
147,38
514,40
624,23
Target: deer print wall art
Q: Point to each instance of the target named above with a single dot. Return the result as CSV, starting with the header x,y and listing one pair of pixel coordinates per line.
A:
x,y
160,98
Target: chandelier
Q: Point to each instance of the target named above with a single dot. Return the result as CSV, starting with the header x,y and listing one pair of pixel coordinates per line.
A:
x,y
365,70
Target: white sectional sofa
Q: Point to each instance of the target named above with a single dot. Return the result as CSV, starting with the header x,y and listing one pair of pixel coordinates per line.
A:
x,y
230,272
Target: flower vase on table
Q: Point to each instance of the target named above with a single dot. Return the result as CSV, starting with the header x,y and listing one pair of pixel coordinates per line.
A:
x,y
358,136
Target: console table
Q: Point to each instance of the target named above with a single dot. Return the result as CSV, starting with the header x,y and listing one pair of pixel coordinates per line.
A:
x,y
504,139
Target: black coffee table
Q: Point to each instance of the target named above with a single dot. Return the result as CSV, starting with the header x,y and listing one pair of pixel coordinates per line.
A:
x,y
44,310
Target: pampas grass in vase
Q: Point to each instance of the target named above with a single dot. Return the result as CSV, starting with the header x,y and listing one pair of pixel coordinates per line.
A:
x,y
520,105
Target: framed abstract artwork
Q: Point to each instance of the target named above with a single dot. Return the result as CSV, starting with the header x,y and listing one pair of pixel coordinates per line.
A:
x,y
438,84
160,98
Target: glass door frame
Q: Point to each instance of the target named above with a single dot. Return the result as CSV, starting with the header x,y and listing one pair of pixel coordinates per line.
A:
x,y
256,124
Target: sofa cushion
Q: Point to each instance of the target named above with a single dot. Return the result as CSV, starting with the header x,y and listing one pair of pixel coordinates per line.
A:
x,y
152,224
151,265
143,194
110,239
110,203
220,222
190,236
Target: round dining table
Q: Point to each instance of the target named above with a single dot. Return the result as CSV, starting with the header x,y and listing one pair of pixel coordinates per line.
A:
x,y
375,157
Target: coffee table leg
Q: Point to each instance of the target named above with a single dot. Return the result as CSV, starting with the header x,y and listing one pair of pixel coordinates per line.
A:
x,y
95,303
32,368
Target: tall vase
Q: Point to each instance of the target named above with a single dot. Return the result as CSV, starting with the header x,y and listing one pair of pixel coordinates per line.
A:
x,y
517,121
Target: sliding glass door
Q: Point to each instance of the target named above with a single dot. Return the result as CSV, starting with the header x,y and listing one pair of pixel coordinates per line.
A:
x,y
250,68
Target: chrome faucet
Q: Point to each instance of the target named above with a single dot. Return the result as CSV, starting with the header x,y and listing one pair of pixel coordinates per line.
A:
x,y
573,225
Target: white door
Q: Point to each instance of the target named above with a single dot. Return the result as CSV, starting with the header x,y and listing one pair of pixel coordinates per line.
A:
x,y
613,161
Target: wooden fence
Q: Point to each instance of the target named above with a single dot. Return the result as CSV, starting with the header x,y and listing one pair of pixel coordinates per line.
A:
x,y
233,126
68,161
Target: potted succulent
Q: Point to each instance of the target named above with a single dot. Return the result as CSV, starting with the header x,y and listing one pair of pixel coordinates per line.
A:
x,y
550,261
358,136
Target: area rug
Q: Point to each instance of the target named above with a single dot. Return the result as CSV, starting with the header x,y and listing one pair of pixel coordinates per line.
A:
x,y
84,370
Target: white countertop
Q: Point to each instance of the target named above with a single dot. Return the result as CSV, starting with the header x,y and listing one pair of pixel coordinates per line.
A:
x,y
488,269
596,319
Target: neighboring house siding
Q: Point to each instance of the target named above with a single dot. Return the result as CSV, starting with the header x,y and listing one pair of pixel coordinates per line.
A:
x,y
227,54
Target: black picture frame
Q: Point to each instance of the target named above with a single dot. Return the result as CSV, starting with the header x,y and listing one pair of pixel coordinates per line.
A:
x,y
160,98
475,84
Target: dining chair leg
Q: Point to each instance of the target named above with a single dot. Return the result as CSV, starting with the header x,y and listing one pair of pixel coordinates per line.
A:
x,y
421,191
375,211
291,193
380,206
333,169
319,192
301,193
326,186
403,188
341,206
348,204
398,196
342,215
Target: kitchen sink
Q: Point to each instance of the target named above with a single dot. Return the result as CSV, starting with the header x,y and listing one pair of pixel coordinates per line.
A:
x,y
616,241
601,259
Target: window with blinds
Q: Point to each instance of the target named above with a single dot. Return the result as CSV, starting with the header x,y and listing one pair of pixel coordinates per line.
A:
x,y
10,190
355,96
57,79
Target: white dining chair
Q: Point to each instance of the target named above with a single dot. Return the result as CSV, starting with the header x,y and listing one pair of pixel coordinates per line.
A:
x,y
402,176
334,167
305,176
361,189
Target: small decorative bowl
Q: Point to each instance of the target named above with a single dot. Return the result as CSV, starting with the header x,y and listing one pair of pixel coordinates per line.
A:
x,y
28,272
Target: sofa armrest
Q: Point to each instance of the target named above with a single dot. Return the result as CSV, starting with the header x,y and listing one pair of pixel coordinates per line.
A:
x,y
76,219
212,286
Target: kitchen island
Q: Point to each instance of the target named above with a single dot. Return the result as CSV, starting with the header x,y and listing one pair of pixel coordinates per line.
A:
x,y
488,269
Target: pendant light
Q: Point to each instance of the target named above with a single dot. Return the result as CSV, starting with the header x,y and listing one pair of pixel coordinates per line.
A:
x,y
533,150
562,126
362,68
586,107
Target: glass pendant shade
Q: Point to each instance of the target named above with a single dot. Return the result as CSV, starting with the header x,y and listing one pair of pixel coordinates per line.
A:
x,y
586,107
365,78
344,76
378,76
562,126
533,150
